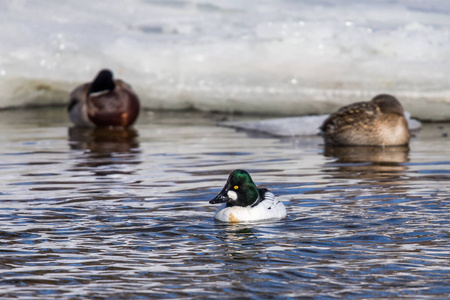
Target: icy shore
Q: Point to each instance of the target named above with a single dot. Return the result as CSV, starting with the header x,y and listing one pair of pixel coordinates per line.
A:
x,y
270,57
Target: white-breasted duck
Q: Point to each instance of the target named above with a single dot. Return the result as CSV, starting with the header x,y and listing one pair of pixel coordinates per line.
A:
x,y
242,201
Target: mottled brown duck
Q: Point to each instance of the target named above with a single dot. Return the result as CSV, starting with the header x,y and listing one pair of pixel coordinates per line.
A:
x,y
379,122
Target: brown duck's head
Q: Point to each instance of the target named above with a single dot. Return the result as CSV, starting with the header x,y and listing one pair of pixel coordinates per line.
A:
x,y
388,104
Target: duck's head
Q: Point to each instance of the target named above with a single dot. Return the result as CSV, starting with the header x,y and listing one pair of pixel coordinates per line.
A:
x,y
388,104
104,81
240,190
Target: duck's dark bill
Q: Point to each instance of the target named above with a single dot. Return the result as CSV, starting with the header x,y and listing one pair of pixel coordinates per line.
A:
x,y
219,199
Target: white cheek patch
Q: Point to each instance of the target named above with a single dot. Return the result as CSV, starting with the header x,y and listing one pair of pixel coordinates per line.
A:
x,y
232,195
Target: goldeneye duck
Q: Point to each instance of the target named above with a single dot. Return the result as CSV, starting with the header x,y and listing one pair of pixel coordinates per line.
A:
x,y
379,122
103,102
242,201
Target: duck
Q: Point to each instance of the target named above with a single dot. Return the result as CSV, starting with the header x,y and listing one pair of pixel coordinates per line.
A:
x,y
242,201
103,102
378,122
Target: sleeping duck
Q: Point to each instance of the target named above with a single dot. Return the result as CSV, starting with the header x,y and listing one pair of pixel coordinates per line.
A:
x,y
379,122
103,102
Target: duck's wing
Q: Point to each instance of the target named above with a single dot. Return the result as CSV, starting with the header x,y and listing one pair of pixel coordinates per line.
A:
x,y
269,200
356,114
272,208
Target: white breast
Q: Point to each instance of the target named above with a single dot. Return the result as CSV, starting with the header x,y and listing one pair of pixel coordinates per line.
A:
x,y
269,208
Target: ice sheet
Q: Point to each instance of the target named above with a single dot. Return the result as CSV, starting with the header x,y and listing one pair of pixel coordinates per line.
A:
x,y
294,126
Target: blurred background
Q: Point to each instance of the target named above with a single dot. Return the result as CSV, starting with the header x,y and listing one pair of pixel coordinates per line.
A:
x,y
266,57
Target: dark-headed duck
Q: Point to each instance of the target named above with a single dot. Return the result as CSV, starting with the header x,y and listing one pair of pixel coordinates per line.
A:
x,y
104,102
242,201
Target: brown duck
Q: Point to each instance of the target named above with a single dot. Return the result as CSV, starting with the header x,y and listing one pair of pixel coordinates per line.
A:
x,y
379,122
104,102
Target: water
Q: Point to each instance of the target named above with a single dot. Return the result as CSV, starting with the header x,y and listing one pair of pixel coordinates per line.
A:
x,y
284,57
86,214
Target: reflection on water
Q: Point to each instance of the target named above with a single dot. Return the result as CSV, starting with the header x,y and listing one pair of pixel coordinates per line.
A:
x,y
104,140
373,155
238,241
124,214
369,162
105,146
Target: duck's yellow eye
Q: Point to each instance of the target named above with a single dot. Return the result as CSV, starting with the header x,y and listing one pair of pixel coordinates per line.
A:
x,y
236,187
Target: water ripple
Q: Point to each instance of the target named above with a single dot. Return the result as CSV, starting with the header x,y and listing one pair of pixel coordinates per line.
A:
x,y
127,217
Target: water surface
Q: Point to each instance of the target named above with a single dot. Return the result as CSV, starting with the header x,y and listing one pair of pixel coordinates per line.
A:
x,y
125,215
